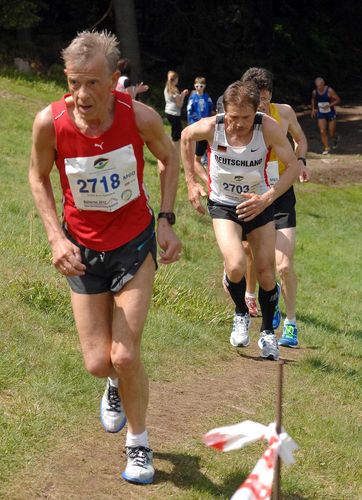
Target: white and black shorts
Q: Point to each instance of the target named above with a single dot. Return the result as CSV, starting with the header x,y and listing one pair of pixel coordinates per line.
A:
x,y
110,271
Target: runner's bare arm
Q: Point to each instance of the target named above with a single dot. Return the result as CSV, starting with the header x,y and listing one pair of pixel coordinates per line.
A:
x,y
179,99
151,129
313,104
335,99
66,256
300,142
275,138
199,131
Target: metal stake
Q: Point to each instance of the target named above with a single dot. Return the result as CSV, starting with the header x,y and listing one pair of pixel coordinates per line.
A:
x,y
279,404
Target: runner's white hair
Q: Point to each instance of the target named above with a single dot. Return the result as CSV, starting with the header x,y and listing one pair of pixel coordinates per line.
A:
x,y
89,43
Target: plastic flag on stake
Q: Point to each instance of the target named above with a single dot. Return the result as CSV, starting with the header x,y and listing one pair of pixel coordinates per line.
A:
x,y
258,485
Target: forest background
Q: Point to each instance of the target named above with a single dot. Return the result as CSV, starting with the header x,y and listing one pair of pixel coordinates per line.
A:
x,y
297,41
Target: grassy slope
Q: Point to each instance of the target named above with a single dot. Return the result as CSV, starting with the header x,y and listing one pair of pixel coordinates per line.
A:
x,y
41,367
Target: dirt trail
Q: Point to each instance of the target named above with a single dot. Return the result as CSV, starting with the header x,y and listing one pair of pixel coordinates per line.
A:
x,y
90,461
87,465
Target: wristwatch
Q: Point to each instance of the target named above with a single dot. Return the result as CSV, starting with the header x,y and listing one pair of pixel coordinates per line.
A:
x,y
303,160
170,216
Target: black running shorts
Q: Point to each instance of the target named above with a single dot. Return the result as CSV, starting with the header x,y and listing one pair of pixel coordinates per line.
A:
x,y
284,210
219,211
110,271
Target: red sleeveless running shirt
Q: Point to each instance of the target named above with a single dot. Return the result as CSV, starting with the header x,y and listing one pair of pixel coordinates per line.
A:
x,y
105,204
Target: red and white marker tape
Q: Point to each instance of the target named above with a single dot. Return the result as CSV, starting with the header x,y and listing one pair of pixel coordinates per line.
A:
x,y
258,485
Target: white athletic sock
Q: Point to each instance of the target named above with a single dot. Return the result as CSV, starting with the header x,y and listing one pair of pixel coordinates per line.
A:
x,y
250,295
137,439
291,321
113,382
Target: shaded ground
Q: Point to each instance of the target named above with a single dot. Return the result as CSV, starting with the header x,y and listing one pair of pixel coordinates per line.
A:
x,y
90,461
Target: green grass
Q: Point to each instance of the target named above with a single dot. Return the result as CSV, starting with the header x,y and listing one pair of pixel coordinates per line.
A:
x,y
41,367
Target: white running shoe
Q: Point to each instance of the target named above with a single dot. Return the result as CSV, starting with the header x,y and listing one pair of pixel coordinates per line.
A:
x,y
268,345
112,414
139,467
240,333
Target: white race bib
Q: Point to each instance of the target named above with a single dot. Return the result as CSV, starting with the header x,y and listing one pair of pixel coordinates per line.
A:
x,y
272,172
324,107
233,186
104,182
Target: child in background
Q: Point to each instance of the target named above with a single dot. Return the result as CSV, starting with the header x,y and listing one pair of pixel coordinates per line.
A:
x,y
199,106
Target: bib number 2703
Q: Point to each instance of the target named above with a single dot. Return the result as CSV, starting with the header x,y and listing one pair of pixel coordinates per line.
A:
x,y
236,188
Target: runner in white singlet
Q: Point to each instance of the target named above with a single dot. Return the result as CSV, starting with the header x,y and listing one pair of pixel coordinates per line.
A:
x,y
240,200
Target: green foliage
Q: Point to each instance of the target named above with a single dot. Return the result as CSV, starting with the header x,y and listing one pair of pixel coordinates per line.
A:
x,y
295,40
186,301
45,297
20,13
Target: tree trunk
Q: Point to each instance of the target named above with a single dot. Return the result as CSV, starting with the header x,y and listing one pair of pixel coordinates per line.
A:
x,y
126,29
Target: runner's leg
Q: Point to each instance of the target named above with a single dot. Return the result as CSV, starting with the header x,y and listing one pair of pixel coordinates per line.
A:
x,y
284,257
262,242
322,124
129,316
332,129
250,276
228,237
93,319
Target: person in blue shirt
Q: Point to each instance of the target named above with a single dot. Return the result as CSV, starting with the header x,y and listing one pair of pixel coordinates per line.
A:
x,y
199,106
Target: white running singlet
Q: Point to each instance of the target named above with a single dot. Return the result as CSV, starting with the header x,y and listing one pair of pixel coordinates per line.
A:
x,y
234,171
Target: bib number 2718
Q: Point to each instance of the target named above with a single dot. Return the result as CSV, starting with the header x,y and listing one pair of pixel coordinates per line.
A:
x,y
104,183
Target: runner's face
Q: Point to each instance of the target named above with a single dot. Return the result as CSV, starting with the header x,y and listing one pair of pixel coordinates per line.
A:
x,y
265,98
90,86
319,83
239,120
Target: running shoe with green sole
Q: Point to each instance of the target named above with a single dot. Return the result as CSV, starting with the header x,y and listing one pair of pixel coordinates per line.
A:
x,y
289,337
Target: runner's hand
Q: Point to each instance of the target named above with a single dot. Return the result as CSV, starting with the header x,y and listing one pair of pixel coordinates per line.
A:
x,y
67,258
250,208
195,191
304,175
169,243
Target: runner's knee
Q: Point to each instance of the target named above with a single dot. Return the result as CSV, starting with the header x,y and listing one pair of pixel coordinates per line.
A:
x,y
285,268
98,366
235,270
266,276
125,360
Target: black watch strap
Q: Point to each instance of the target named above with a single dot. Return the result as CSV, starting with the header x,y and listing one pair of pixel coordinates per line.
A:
x,y
303,160
170,216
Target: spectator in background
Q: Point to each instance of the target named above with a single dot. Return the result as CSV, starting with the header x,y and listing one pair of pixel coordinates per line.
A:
x,y
174,101
199,106
125,84
324,100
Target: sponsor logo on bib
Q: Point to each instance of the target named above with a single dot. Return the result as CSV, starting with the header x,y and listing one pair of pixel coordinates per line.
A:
x,y
101,163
